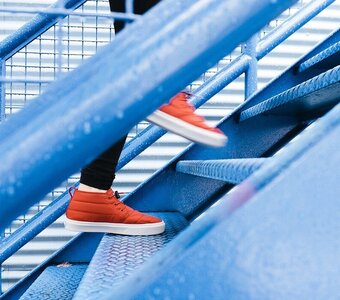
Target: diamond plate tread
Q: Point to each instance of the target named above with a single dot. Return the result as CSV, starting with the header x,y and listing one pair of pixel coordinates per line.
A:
x,y
230,170
117,256
56,283
323,55
320,91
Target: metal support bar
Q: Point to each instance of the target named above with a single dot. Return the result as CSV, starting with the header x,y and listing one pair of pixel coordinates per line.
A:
x,y
61,12
2,91
250,81
291,25
1,269
191,37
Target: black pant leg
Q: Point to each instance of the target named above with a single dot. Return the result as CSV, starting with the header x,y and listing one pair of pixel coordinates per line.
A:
x,y
140,7
118,6
101,172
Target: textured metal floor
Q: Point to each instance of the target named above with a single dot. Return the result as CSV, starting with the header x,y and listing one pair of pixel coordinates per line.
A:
x,y
56,283
117,256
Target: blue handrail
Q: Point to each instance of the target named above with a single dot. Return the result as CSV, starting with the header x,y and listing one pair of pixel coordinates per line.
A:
x,y
19,238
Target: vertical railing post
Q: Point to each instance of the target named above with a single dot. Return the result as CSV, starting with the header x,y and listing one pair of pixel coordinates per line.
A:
x,y
129,6
1,238
249,48
2,90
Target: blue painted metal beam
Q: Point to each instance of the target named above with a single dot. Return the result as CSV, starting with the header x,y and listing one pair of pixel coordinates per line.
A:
x,y
295,163
198,34
250,83
315,94
291,25
28,32
230,170
2,91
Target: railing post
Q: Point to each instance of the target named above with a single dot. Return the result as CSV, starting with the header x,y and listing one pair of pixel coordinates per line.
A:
x,y
2,90
1,238
249,48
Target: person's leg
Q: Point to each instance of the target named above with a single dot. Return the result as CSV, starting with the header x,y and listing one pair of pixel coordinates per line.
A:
x,y
100,173
94,207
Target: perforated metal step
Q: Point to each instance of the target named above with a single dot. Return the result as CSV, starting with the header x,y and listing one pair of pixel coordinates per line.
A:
x,y
56,283
118,256
312,96
230,170
328,58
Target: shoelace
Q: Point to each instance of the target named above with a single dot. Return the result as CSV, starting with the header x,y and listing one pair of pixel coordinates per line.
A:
x,y
116,202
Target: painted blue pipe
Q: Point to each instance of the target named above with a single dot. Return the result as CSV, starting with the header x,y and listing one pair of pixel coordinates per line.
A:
x,y
250,79
2,91
191,36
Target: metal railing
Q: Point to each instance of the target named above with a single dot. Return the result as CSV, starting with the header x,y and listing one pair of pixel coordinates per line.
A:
x,y
246,63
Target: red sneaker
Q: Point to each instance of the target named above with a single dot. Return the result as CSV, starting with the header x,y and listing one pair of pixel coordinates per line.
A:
x,y
179,117
103,212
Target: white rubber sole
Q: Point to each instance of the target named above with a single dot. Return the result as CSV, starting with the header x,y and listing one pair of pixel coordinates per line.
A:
x,y
116,228
186,130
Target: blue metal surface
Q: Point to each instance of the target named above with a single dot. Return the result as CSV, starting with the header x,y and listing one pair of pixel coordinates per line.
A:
x,y
249,49
1,238
60,11
92,121
329,55
230,170
291,25
317,93
56,283
276,246
2,91
118,256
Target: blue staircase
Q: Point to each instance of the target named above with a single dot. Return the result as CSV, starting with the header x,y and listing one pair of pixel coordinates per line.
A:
x,y
274,231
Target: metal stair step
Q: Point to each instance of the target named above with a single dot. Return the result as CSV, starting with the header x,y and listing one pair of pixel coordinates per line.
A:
x,y
329,58
230,170
56,283
117,256
307,99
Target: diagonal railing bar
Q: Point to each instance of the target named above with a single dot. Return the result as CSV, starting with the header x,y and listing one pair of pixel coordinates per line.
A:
x,y
183,24
69,12
291,25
